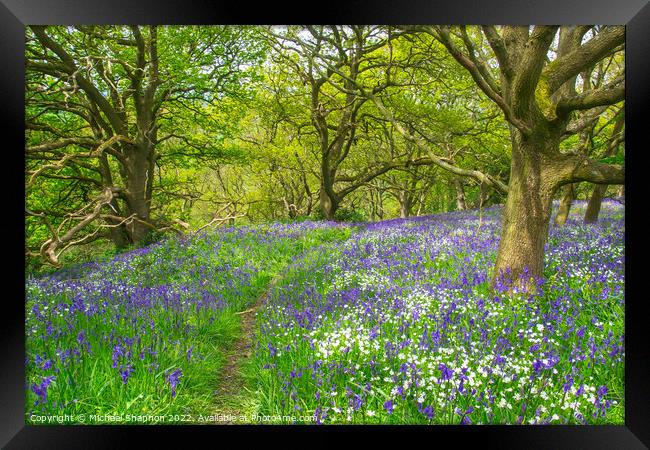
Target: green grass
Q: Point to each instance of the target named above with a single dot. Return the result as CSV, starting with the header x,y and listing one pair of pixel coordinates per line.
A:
x,y
383,288
171,307
344,296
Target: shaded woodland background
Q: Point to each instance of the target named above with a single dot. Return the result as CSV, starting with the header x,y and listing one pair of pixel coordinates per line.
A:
x,y
134,133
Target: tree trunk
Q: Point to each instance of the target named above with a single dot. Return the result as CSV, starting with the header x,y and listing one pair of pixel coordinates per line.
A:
x,y
119,236
421,200
565,205
139,189
537,98
526,216
621,190
404,199
371,202
292,212
593,207
461,205
328,205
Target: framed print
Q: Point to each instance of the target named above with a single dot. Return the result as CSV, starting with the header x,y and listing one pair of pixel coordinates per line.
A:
x,y
394,221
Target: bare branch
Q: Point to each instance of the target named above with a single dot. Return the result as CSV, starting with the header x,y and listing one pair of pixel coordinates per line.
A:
x,y
50,247
61,163
61,143
219,221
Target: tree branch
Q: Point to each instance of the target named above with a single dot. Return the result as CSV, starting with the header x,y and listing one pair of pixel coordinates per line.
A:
x,y
480,66
529,67
72,69
443,37
441,162
499,49
576,167
588,54
42,148
584,121
50,247
591,99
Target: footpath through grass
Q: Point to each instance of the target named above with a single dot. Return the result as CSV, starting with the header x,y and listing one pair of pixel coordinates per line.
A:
x,y
140,338
394,323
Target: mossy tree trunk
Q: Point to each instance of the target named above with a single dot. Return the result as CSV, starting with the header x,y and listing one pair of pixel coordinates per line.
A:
x,y
405,200
565,205
128,135
537,98
527,212
328,204
593,207
595,201
461,204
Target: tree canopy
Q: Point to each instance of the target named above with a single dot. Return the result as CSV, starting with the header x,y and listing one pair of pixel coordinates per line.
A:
x,y
135,131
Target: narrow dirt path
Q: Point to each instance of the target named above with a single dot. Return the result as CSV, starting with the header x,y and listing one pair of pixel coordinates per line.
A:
x,y
230,395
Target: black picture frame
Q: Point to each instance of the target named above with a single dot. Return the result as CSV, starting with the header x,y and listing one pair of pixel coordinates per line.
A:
x,y
16,14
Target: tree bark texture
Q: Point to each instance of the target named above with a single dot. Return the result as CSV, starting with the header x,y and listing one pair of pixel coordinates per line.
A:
x,y
537,98
565,205
461,205
595,201
526,216
328,205
404,204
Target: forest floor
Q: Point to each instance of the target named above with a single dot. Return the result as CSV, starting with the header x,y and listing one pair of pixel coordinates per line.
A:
x,y
315,322
233,399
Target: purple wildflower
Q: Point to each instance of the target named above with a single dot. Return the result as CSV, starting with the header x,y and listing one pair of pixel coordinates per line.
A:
x,y
118,352
568,383
126,373
446,372
428,411
173,379
41,389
